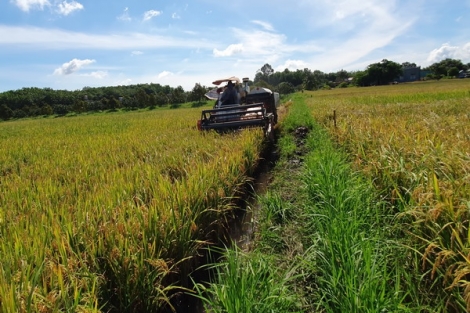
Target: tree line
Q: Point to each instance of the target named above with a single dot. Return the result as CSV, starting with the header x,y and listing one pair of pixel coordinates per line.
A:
x,y
380,73
30,102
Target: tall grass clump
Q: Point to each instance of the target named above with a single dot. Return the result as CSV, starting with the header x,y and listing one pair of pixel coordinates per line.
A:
x,y
413,140
350,256
248,282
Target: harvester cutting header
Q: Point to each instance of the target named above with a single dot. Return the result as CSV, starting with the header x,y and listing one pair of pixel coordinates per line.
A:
x,y
236,106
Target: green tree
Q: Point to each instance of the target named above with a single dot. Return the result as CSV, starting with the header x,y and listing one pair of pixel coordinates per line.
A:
x,y
285,88
263,73
311,80
47,110
198,92
113,103
361,79
408,65
161,98
308,83
61,109
440,69
177,95
104,103
79,106
142,98
453,71
262,83
152,101
342,75
384,72
5,112
19,113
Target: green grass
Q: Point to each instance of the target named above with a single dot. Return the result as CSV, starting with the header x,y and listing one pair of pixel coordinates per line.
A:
x,y
351,256
246,282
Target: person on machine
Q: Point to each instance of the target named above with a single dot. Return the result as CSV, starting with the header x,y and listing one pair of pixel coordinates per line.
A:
x,y
230,95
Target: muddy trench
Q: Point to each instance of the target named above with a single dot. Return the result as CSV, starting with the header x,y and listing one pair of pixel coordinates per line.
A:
x,y
241,224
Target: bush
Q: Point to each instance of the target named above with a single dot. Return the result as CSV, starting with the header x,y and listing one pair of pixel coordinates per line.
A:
x,y
285,88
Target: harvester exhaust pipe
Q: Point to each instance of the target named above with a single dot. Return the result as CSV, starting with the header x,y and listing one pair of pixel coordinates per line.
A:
x,y
245,81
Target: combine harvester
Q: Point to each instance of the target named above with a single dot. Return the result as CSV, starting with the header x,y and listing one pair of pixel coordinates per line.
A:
x,y
254,108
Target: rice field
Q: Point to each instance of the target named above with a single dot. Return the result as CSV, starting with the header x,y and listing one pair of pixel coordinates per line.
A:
x,y
413,141
109,213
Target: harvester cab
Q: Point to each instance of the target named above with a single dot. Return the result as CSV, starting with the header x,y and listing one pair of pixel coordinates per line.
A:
x,y
256,107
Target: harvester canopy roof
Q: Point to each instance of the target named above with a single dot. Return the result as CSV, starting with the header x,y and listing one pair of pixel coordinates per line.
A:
x,y
212,94
226,80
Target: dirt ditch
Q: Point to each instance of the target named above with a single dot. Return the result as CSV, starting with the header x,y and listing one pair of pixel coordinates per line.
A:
x,y
240,228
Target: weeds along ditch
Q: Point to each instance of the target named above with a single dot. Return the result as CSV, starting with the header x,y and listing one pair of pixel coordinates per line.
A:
x,y
111,212
238,233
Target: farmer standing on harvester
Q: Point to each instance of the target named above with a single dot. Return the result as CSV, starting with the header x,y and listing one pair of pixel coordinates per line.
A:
x,y
230,95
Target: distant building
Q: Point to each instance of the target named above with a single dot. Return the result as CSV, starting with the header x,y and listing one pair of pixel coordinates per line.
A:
x,y
410,74
464,74
425,73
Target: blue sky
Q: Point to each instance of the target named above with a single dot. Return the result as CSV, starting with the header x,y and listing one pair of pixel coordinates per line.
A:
x,y
70,44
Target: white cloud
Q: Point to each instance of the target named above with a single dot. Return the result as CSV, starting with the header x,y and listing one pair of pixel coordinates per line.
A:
x,y
97,74
164,74
55,39
448,51
65,8
72,66
125,16
267,45
151,14
267,26
136,52
229,51
175,16
26,5
124,82
292,65
445,51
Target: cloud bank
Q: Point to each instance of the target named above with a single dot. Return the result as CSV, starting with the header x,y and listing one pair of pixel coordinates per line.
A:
x,y
448,51
72,66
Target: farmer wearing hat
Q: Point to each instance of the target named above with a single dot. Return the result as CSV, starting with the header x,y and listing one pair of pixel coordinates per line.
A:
x,y
230,95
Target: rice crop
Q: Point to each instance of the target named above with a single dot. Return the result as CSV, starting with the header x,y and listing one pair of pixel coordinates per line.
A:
x,y
109,213
413,141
